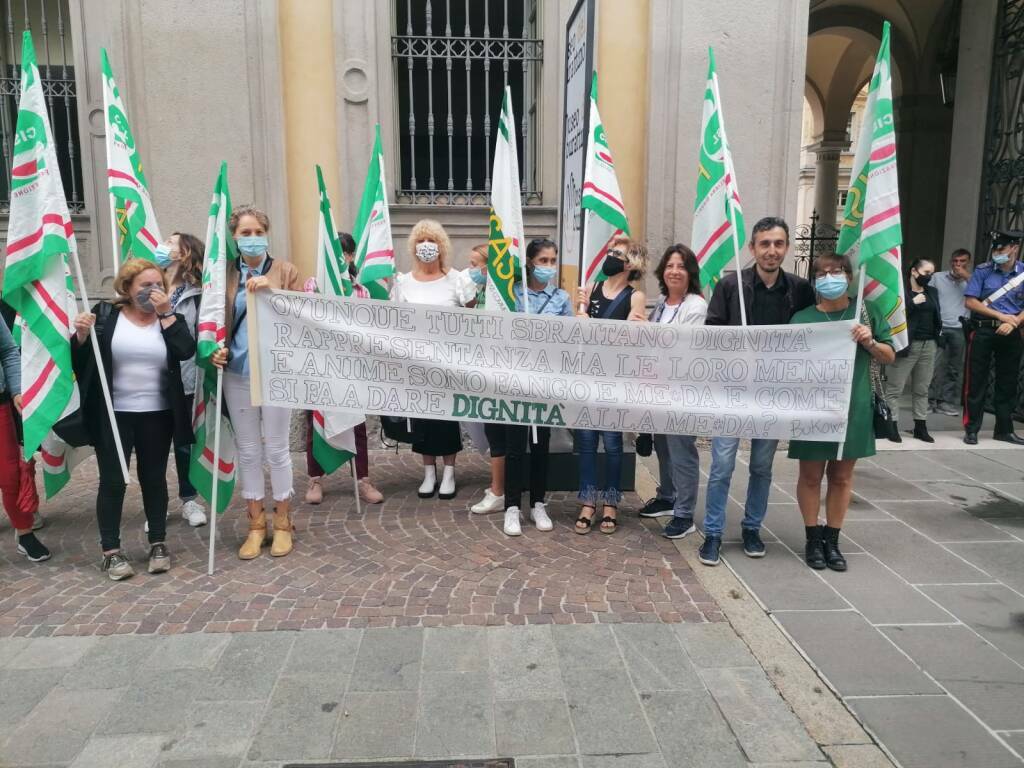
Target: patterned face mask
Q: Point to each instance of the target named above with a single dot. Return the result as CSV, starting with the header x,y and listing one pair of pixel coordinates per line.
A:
x,y
427,252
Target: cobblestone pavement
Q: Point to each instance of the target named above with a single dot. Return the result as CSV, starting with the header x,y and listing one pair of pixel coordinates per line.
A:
x,y
406,562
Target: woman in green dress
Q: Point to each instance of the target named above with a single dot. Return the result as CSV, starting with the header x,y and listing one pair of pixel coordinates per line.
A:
x,y
832,276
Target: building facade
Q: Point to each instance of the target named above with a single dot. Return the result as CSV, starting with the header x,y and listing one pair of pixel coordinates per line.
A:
x,y
276,86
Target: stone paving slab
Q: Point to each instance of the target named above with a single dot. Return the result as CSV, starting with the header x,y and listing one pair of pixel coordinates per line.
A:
x,y
406,562
622,704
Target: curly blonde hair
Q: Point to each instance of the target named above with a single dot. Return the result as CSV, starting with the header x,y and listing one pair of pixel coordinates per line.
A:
x,y
248,210
431,229
636,256
131,269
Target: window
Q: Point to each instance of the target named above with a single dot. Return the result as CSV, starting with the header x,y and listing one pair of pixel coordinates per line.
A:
x,y
48,21
842,199
452,60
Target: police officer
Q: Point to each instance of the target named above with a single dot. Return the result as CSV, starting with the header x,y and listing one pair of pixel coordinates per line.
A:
x,y
995,298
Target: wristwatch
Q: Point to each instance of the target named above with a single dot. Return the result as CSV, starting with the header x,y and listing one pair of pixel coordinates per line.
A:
x,y
165,315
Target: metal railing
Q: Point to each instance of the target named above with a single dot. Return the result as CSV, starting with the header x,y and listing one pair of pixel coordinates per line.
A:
x,y
810,240
450,89
47,20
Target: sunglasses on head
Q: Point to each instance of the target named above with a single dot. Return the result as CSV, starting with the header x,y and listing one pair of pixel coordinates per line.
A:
x,y
617,254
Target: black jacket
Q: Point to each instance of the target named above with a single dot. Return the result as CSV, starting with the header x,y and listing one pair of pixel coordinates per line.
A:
x,y
724,307
180,346
914,319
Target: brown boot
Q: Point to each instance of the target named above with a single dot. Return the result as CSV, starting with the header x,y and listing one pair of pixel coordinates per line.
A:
x,y
257,537
283,528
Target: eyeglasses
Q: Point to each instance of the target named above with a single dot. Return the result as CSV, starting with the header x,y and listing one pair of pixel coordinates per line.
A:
x,y
837,272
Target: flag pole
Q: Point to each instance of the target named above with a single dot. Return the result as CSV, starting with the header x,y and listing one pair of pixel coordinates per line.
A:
x,y
115,249
730,181
355,485
101,370
216,470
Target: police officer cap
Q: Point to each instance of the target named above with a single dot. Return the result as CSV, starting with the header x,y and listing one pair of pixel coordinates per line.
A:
x,y
1004,237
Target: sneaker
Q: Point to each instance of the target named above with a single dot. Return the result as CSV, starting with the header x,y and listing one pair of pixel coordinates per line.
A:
x,y
159,559
193,513
947,409
315,492
117,566
539,515
489,503
512,525
369,493
752,544
32,548
38,522
657,508
710,551
679,527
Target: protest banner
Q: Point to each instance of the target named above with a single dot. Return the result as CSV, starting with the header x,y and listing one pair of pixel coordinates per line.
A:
x,y
319,352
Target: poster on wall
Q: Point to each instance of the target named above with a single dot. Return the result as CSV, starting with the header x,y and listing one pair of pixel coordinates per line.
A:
x,y
579,64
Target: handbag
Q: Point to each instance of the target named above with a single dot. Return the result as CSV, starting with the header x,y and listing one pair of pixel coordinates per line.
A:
x,y
644,444
881,412
396,429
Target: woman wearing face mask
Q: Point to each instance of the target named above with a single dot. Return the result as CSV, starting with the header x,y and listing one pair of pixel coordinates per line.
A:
x,y
916,362
142,343
510,442
432,282
832,274
261,432
678,461
477,272
181,256
611,299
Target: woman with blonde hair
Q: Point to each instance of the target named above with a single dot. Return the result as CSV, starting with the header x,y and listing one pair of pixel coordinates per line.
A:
x,y
261,432
142,343
611,299
432,281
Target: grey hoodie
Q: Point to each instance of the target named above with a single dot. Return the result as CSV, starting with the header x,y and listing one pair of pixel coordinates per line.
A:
x,y
188,307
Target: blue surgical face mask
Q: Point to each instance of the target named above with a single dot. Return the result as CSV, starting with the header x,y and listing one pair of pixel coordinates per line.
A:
x,y
545,274
831,286
162,254
1000,258
478,276
253,245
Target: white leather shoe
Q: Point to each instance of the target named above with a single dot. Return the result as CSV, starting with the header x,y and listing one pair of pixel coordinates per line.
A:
x,y
512,526
539,515
489,503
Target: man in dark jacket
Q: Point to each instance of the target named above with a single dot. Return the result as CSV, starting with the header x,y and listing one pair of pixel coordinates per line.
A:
x,y
771,296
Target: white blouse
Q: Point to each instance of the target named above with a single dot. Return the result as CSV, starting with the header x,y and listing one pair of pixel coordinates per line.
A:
x,y
140,375
453,289
691,311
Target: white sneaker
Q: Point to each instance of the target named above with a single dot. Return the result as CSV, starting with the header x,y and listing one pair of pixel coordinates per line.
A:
x,y
512,526
145,527
489,503
193,513
539,515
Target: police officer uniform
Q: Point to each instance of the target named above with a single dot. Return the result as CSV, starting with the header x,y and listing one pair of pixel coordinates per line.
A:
x,y
1002,291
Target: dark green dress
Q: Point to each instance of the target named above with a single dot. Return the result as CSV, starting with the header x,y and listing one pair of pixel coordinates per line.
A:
x,y
860,429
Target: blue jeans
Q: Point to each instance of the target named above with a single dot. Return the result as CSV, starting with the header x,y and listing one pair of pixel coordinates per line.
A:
x,y
666,490
586,447
685,461
723,461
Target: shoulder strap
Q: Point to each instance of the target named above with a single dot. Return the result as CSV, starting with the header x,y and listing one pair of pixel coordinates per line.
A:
x,y
1012,283
624,294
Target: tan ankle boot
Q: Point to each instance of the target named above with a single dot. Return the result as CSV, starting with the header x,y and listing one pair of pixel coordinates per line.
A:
x,y
257,537
283,528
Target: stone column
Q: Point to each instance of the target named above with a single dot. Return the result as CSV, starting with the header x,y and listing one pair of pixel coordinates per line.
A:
x,y
826,178
970,112
623,41
310,119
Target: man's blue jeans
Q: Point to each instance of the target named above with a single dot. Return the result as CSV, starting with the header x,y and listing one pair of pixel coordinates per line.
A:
x,y
586,447
723,461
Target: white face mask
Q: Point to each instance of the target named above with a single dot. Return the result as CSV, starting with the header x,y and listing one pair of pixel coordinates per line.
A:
x,y
427,252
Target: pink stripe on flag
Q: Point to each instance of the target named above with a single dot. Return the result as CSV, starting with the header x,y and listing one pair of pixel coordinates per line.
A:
x,y
149,237
51,459
607,158
602,193
883,153
38,384
380,255
878,217
224,467
29,240
111,174
24,169
711,241
61,315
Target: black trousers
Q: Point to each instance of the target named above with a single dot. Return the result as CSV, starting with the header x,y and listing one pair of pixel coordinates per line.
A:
x,y
149,435
986,350
183,460
517,438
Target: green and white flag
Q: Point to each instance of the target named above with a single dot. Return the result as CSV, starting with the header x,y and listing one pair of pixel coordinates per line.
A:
x,y
604,215
37,281
334,442
211,335
870,233
137,232
718,229
375,254
59,460
505,261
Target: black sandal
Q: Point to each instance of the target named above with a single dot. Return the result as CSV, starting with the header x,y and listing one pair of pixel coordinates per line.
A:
x,y
586,522
609,521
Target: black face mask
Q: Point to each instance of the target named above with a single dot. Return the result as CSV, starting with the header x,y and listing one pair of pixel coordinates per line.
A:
x,y
923,280
612,266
